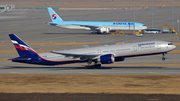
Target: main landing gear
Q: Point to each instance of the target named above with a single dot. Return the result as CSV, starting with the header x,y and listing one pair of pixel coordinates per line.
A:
x,y
163,54
96,65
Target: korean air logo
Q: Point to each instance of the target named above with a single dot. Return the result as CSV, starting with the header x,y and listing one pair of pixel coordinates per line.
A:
x,y
54,16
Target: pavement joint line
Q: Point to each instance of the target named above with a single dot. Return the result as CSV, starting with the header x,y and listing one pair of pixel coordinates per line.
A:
x,y
158,73
16,73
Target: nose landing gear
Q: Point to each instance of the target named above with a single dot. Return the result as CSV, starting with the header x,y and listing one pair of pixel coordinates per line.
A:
x,y
163,54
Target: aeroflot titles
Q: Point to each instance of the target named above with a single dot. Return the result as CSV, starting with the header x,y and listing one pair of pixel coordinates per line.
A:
x,y
146,44
122,23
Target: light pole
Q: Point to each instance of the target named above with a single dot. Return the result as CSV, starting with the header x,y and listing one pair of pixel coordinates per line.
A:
x,y
178,26
152,13
172,14
134,16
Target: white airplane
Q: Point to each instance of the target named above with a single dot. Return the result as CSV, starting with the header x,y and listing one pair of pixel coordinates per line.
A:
x,y
98,55
95,26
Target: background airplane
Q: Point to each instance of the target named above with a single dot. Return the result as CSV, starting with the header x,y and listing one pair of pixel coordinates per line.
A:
x,y
98,55
95,26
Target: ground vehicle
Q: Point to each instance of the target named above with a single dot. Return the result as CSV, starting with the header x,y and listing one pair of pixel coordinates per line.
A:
x,y
153,30
165,31
172,30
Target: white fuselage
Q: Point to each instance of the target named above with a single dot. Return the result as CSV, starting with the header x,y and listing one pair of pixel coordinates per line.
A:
x,y
120,50
110,27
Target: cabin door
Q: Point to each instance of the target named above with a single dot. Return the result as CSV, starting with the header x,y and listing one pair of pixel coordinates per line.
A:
x,y
99,51
135,49
158,46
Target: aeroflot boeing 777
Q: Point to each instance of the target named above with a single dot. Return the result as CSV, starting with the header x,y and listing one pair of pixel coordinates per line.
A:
x,y
97,55
95,26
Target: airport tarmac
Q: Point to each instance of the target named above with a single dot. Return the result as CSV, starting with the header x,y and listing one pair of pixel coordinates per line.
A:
x,y
32,28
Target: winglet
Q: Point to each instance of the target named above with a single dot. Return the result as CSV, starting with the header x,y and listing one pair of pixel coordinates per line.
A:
x,y
53,15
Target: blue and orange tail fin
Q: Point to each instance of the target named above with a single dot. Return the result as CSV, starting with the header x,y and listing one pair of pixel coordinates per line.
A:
x,y
53,15
22,48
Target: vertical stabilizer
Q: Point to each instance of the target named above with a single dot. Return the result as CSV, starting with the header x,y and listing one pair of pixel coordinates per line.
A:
x,y
53,15
22,48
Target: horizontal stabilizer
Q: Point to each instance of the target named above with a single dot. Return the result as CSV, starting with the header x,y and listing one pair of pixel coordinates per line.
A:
x,y
20,59
53,24
86,46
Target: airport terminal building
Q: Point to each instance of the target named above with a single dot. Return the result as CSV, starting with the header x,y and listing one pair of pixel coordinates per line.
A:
x,y
6,7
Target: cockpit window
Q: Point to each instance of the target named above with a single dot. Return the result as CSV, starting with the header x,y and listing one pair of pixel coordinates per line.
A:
x,y
170,44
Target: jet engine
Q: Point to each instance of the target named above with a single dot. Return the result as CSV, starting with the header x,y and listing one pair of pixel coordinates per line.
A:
x,y
104,30
107,59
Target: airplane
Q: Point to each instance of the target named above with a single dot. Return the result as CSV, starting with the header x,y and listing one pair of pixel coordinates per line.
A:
x,y
95,26
93,56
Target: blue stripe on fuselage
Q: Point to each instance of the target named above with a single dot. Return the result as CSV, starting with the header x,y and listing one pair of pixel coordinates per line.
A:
x,y
97,23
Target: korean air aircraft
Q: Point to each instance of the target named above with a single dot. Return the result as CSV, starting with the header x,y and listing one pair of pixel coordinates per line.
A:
x,y
95,26
93,56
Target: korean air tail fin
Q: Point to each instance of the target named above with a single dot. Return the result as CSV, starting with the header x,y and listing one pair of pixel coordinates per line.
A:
x,y
22,48
53,15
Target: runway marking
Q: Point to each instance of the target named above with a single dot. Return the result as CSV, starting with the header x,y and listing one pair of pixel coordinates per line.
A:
x,y
12,30
16,73
175,51
177,44
37,28
118,16
133,65
14,25
158,73
87,73
4,59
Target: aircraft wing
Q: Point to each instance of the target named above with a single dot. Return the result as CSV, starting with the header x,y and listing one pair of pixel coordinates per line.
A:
x,y
51,23
21,59
81,56
91,27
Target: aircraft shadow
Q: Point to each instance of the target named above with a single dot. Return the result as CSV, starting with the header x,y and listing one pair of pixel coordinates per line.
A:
x,y
74,68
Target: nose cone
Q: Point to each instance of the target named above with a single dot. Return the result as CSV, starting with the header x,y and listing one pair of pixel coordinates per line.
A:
x,y
145,27
173,46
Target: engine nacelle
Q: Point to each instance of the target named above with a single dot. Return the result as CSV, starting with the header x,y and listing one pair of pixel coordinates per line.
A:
x,y
107,59
104,30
